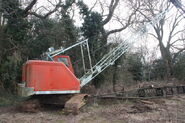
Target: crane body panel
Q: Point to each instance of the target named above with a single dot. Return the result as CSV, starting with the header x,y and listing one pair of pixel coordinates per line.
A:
x,y
48,77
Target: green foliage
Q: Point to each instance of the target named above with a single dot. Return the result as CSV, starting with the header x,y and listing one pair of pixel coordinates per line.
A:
x,y
49,33
135,66
10,72
68,3
9,99
92,25
158,69
179,67
70,31
92,28
17,25
83,8
41,38
12,41
92,31
3,43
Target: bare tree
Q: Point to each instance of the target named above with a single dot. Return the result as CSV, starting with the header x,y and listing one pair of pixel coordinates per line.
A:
x,y
28,10
111,7
49,12
168,30
124,22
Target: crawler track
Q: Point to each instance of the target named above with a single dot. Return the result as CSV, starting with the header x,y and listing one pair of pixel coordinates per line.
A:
x,y
71,103
146,93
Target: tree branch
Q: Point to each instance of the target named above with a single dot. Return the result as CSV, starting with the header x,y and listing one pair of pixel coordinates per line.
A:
x,y
177,54
153,35
30,6
112,7
180,31
47,14
129,21
116,30
101,6
93,6
176,22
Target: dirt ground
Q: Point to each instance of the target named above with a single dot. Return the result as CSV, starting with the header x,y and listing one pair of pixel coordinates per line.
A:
x,y
171,110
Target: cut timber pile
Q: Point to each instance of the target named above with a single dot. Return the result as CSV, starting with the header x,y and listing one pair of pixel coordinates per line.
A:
x,y
147,102
75,103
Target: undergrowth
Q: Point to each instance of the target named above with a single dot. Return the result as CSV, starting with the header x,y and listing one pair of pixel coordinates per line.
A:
x,y
7,99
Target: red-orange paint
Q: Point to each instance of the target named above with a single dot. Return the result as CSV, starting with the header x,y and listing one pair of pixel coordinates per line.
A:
x,y
50,76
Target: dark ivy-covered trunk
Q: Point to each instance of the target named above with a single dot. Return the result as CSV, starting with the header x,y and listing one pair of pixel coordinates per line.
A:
x,y
115,69
167,59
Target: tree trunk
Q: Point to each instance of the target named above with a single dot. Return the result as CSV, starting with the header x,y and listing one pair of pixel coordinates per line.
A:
x,y
114,75
166,56
0,13
169,69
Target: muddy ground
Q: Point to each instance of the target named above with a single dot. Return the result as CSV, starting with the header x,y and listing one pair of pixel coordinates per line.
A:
x,y
170,110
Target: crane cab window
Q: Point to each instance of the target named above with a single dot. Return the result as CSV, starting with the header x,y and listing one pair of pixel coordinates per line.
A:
x,y
64,60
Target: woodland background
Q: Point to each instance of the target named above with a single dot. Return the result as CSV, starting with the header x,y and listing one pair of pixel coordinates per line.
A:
x,y
26,32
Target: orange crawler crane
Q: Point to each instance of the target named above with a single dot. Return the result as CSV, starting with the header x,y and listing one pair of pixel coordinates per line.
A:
x,y
52,80
53,74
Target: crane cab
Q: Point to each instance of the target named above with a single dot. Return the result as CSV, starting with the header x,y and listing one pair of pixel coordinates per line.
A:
x,y
66,60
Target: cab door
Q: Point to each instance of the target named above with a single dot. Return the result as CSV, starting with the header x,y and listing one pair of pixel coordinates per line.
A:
x,y
66,60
